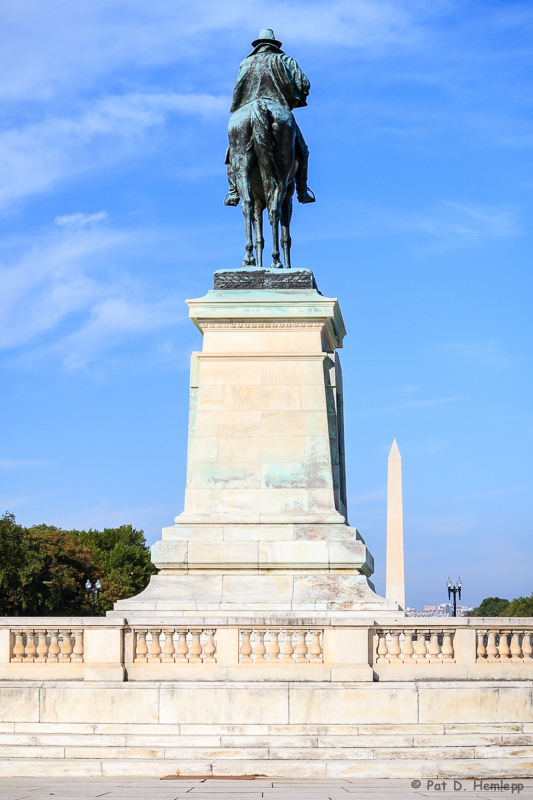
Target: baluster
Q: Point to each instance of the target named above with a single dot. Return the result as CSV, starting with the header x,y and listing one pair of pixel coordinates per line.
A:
x,y
18,647
42,648
481,649
526,647
301,648
195,650
30,649
54,649
503,647
79,642
141,649
210,647
316,648
274,649
382,646
246,647
492,650
260,648
395,648
66,648
408,648
155,647
168,648
447,646
421,648
434,647
182,649
288,650
516,650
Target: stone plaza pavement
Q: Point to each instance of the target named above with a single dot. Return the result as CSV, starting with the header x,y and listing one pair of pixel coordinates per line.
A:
x,y
245,789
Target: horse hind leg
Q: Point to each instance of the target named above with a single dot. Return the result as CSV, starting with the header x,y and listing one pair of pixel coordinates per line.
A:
x,y
286,215
274,213
258,232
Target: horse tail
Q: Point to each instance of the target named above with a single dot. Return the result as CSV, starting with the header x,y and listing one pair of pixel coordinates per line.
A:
x,y
263,144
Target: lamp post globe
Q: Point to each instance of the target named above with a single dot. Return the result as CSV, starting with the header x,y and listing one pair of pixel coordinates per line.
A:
x,y
93,593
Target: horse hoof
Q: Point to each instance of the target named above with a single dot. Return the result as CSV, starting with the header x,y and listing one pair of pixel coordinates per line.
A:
x,y
276,265
246,263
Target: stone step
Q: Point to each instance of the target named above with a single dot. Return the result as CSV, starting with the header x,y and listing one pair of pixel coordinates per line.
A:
x,y
180,752
368,768
158,740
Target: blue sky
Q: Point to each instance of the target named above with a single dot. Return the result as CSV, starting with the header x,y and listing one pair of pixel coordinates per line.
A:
x,y
112,138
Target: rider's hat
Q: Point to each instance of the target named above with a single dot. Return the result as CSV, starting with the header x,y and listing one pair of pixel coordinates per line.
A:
x,y
266,36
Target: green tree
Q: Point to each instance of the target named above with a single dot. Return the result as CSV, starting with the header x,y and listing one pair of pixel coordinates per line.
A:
x,y
491,607
43,569
124,559
520,607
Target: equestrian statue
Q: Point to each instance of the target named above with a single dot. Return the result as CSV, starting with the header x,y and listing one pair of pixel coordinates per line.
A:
x,y
267,157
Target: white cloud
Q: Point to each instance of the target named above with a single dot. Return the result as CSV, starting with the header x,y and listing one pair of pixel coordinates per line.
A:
x,y
448,524
78,219
8,463
370,496
53,46
447,225
37,156
400,406
67,299
111,321
485,353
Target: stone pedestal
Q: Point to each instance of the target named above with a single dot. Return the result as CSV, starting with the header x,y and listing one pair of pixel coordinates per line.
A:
x,y
264,529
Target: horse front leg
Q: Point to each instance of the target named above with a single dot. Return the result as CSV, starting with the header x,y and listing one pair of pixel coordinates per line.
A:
x,y
258,232
286,215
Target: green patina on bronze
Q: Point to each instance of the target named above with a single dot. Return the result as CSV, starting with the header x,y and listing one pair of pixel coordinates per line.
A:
x,y
267,157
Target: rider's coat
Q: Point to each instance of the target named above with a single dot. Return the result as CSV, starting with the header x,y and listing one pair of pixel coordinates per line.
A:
x,y
269,74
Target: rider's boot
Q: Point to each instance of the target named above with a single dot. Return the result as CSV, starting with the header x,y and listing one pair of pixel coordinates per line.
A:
x,y
304,193
232,198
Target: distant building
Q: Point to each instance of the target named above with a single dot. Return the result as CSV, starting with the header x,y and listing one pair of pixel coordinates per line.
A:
x,y
442,610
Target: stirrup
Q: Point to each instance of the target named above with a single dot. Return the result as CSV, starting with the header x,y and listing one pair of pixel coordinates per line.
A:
x,y
306,199
231,200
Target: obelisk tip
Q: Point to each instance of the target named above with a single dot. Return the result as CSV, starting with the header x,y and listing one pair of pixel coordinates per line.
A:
x,y
394,451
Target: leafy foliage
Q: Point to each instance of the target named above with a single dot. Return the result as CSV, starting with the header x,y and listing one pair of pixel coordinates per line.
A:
x,y
520,607
43,569
492,607
124,560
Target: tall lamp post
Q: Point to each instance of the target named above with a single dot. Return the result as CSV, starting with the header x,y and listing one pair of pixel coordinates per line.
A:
x,y
92,592
455,590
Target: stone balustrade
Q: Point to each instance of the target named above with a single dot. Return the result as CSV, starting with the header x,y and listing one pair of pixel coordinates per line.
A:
x,y
226,649
504,646
170,645
407,646
47,646
280,646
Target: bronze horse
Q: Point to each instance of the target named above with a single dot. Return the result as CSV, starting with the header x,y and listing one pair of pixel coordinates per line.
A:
x,y
264,164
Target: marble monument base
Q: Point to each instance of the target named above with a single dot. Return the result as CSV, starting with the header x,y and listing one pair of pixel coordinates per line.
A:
x,y
264,528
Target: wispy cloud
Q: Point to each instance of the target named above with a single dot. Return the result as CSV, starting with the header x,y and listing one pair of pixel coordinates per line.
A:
x,y
484,353
8,463
68,290
400,406
78,43
78,219
370,496
445,226
37,156
488,493
447,524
